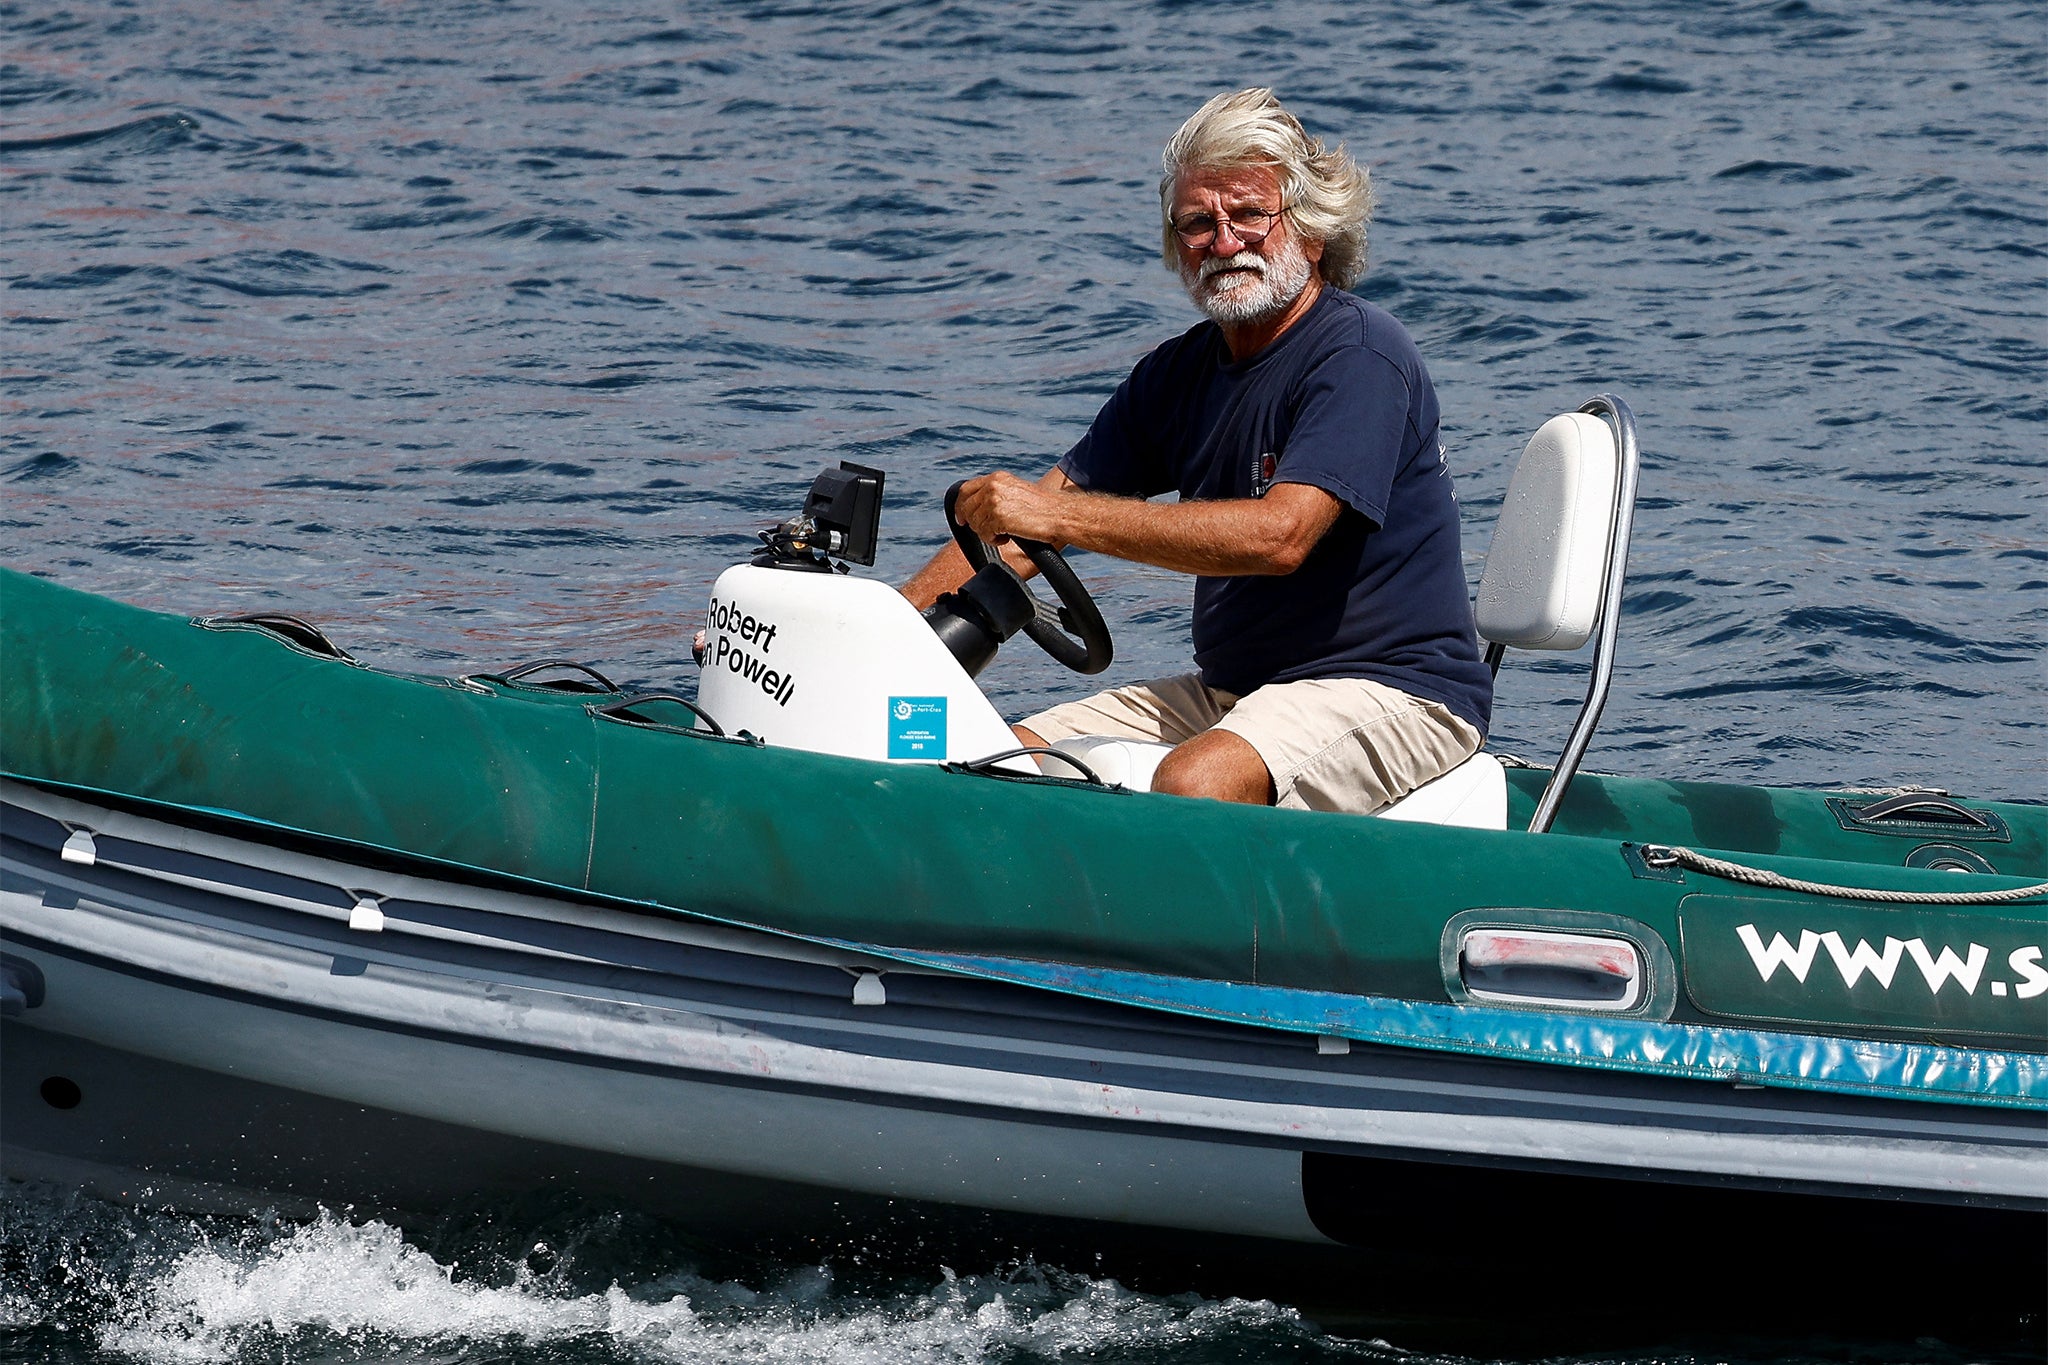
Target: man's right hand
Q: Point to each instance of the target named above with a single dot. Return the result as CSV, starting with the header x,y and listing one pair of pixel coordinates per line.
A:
x,y
948,568
1001,505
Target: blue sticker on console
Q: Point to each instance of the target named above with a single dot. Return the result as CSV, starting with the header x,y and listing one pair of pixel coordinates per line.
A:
x,y
917,727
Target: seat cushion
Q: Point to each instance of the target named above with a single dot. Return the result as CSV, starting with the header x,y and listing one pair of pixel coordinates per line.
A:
x,y
1474,794
1119,762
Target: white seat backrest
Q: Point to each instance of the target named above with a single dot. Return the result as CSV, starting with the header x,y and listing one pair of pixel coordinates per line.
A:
x,y
1547,566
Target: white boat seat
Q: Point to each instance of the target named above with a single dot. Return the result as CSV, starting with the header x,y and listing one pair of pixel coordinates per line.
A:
x,y
1119,762
1555,569
1473,794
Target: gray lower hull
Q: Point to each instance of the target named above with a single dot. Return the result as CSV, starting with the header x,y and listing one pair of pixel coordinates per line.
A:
x,y
222,1024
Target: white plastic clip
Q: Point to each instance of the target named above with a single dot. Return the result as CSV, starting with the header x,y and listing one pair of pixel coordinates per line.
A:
x,y
868,989
368,916
1330,1045
79,848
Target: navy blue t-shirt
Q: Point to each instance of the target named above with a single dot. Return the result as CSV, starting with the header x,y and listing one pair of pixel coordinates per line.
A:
x,y
1340,402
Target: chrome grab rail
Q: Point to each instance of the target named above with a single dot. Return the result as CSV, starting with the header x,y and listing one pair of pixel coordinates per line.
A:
x,y
1612,410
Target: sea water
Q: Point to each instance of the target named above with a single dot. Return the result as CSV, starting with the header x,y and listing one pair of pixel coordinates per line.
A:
x,y
482,332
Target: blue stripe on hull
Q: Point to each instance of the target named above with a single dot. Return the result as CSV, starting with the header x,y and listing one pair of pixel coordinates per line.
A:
x,y
1859,1066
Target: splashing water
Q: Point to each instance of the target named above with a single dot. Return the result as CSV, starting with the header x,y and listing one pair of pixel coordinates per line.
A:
x,y
162,1287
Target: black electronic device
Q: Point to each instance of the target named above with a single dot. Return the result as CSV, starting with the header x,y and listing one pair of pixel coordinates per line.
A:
x,y
842,517
846,505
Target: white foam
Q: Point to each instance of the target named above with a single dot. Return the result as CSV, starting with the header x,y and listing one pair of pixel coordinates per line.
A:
x,y
363,1283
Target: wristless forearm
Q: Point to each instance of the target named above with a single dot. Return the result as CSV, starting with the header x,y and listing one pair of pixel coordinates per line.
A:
x,y
1217,538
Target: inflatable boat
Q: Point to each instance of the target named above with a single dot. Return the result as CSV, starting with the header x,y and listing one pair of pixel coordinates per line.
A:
x,y
274,924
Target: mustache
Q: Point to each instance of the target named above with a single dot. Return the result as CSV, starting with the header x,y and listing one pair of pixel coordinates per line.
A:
x,y
1243,260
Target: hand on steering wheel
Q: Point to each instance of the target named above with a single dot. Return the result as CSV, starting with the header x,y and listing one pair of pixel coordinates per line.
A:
x,y
1073,633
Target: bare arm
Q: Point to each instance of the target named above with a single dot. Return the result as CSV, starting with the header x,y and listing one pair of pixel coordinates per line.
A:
x,y
948,568
1227,536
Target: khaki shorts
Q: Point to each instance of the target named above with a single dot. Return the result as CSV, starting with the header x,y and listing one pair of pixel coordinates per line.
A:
x,y
1335,744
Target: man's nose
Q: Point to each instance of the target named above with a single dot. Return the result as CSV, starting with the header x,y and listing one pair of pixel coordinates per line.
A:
x,y
1226,228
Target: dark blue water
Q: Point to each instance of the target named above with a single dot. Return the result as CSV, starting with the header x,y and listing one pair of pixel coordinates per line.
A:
x,y
480,332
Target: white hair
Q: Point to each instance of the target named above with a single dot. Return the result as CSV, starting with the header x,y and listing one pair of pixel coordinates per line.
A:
x,y
1328,196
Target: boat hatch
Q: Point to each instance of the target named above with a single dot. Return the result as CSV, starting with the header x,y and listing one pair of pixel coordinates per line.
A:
x,y
1550,967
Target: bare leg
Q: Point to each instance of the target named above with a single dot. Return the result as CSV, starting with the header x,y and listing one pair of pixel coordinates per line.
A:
x,y
1219,765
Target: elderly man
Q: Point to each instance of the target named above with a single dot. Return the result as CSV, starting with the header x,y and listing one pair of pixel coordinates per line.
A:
x,y
1338,665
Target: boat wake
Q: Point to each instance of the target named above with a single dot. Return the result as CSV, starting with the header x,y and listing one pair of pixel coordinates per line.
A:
x,y
607,1286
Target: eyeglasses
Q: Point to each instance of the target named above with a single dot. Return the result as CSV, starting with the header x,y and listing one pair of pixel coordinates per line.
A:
x,y
1250,226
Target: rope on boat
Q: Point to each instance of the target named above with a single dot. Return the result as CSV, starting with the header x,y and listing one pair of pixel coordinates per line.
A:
x,y
1665,855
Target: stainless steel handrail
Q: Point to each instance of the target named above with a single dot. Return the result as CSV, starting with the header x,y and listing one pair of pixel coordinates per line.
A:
x,y
1612,410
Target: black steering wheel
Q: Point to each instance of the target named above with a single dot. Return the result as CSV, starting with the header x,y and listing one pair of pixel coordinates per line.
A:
x,y
1073,633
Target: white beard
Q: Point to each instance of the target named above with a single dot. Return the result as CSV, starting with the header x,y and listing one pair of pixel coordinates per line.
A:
x,y
1257,290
